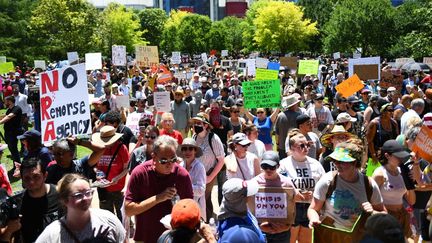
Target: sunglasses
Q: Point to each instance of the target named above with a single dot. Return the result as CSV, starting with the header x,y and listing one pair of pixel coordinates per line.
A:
x,y
304,145
184,149
268,167
152,137
235,111
259,112
165,161
80,195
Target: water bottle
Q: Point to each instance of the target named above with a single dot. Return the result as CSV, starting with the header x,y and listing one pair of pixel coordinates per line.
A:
x,y
213,228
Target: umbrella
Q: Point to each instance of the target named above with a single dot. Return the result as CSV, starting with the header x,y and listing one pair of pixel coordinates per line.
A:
x,y
415,66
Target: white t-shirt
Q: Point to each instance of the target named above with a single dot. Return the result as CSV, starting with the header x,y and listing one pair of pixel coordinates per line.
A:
x,y
314,143
245,165
99,218
257,147
344,205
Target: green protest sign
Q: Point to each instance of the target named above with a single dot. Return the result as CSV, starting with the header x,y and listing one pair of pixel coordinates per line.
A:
x,y
266,74
262,94
308,67
6,67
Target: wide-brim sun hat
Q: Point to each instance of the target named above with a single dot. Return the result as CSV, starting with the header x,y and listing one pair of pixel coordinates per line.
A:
x,y
341,155
201,117
107,136
290,101
337,130
190,142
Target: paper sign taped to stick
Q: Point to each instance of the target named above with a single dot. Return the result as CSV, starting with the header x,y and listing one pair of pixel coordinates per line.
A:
x,y
162,101
289,62
40,64
224,53
274,204
262,94
119,55
308,67
6,67
261,62
423,144
350,86
147,56
367,71
93,61
64,102
73,58
266,74
2,59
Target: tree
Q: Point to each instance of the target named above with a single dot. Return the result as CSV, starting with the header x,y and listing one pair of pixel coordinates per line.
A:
x,y
193,33
226,34
280,26
119,26
59,26
368,24
152,21
170,40
248,26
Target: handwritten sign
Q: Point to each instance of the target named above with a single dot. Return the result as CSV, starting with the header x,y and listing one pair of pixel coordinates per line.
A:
x,y
175,57
122,101
73,58
132,121
93,61
289,62
273,203
40,64
261,62
119,55
266,74
64,103
224,53
391,78
308,67
162,101
6,67
423,144
147,56
262,94
350,86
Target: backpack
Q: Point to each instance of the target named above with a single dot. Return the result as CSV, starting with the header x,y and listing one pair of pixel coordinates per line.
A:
x,y
210,137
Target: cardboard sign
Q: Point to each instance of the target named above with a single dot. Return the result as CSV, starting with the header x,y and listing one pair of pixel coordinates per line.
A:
x,y
2,59
289,62
147,56
423,144
40,64
336,55
175,57
368,71
274,204
162,101
119,55
350,86
73,58
308,67
262,94
64,103
426,60
6,67
224,53
261,62
266,74
273,66
391,78
122,101
93,61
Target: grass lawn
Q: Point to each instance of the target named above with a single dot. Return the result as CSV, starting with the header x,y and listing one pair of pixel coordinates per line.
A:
x,y
7,161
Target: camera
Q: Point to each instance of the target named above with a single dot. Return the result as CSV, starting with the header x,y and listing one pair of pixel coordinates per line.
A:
x,y
10,207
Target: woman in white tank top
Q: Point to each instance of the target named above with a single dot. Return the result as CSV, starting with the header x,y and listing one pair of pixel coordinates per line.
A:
x,y
392,185
241,163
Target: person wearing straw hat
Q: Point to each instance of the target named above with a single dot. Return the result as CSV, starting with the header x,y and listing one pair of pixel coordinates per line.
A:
x,y
285,121
190,151
114,166
330,140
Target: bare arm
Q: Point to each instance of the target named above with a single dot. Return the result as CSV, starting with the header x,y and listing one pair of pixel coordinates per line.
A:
x,y
7,118
367,115
313,210
134,208
274,115
216,170
257,167
370,134
410,197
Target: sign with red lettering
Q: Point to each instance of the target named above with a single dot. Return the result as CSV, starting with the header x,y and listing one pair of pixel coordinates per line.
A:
x,y
275,204
423,144
64,102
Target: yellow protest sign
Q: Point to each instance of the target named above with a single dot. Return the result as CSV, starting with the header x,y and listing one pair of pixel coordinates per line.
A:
x,y
6,67
308,67
147,56
266,74
350,86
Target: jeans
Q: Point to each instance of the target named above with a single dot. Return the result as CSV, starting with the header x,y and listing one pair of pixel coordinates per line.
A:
x,y
12,142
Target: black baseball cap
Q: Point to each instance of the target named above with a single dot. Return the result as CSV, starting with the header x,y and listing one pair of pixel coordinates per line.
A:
x,y
302,119
270,158
395,148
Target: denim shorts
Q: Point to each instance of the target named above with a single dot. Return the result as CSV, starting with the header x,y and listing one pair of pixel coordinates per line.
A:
x,y
301,215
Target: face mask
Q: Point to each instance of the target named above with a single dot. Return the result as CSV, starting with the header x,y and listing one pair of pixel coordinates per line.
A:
x,y
198,129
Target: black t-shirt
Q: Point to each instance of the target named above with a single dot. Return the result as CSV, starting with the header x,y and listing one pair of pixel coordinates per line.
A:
x,y
127,134
38,213
421,197
223,130
80,166
14,124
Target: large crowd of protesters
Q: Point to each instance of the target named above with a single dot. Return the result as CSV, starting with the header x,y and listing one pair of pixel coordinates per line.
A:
x,y
348,160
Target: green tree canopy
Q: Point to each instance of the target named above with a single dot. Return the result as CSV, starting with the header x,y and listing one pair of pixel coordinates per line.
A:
x,y
152,22
170,40
280,26
226,34
193,33
368,24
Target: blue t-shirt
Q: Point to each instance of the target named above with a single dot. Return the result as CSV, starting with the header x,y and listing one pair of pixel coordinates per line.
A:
x,y
249,221
264,129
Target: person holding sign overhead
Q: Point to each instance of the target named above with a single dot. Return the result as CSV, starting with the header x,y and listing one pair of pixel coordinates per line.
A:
x,y
264,125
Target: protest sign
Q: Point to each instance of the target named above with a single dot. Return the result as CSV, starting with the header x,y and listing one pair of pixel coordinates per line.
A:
x,y
368,71
122,101
73,58
6,67
273,66
147,56
64,102
401,61
185,58
289,62
350,86
224,53
40,64
391,78
204,57
242,64
262,94
175,57
225,63
261,62
119,55
266,74
336,55
164,75
357,53
132,121
426,60
162,101
423,144
365,71
2,59
250,65
93,61
274,204
308,67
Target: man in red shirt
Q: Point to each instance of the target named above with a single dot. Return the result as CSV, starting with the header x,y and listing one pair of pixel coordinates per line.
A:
x,y
153,187
167,123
